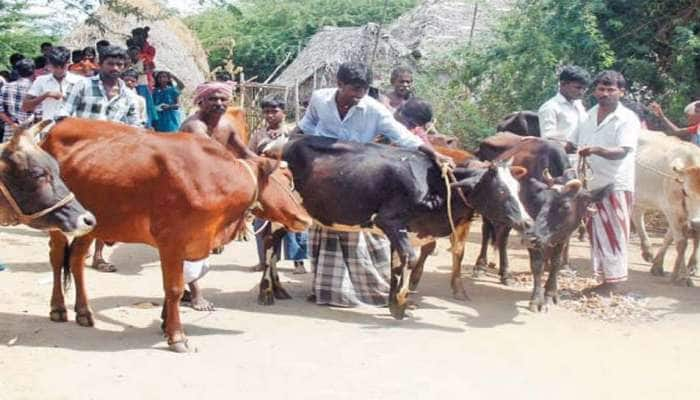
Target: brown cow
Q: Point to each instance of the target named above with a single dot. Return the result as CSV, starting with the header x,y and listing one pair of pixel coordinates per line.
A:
x,y
178,192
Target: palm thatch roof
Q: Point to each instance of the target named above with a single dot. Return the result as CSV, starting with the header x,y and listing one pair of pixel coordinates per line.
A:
x,y
418,37
317,64
177,48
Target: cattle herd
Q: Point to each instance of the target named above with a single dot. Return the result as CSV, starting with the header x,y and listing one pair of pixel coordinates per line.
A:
x,y
186,195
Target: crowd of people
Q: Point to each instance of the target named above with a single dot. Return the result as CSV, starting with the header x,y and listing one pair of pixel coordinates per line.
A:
x,y
123,84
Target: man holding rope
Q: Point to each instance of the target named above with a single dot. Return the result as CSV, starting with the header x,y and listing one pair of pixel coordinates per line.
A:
x,y
607,138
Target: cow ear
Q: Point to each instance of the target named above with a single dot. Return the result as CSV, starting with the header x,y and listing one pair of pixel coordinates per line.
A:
x,y
518,172
468,184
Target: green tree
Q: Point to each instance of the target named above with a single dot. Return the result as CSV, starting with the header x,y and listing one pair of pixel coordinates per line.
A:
x,y
16,34
265,32
654,43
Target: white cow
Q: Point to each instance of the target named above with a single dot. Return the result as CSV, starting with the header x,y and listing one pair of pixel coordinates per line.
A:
x,y
668,179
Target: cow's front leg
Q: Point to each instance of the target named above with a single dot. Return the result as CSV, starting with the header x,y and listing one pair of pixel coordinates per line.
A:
x,y
693,261
487,232
680,276
502,233
657,265
270,286
398,285
536,266
59,250
171,262
551,290
78,251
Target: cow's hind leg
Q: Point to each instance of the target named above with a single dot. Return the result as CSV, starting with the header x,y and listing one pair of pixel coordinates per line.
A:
x,y
398,286
78,250
270,285
58,255
171,262
459,239
638,223
417,271
502,233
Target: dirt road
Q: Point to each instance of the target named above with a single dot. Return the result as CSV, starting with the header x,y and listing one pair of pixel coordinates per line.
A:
x,y
489,348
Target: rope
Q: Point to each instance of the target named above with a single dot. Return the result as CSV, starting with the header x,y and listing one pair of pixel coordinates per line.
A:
x,y
582,171
446,174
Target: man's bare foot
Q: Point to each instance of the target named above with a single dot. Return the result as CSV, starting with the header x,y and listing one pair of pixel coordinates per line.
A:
x,y
299,268
606,289
102,265
199,303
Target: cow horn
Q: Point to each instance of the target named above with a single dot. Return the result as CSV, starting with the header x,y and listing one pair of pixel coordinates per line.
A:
x,y
547,177
573,185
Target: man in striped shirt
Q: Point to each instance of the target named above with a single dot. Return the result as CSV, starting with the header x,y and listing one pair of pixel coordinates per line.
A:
x,y
12,95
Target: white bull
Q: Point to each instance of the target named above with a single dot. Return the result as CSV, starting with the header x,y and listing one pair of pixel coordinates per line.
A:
x,y
668,179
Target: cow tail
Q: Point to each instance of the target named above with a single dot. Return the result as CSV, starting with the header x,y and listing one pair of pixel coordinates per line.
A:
x,y
66,268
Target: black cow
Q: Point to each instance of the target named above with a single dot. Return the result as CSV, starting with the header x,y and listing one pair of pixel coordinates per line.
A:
x,y
397,190
557,204
522,123
32,191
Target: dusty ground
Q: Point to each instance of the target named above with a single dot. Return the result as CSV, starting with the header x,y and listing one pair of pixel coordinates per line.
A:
x,y
491,347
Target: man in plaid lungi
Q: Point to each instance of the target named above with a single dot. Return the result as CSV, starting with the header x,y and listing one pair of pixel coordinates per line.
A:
x,y
608,138
352,268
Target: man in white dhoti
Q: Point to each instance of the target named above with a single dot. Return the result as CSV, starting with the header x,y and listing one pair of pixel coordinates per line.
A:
x,y
608,139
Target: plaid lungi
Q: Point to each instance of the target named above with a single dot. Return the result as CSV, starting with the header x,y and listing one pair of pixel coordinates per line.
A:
x,y
609,230
350,268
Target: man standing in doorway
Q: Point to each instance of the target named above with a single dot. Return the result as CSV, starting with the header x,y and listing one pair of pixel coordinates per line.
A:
x,y
608,139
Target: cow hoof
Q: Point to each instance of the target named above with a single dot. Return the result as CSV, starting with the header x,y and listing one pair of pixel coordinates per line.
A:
x,y
266,297
60,315
281,294
657,270
398,311
181,346
683,282
85,319
461,295
551,299
507,280
647,256
537,303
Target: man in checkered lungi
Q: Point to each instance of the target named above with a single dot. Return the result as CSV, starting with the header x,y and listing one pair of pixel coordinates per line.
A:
x,y
352,268
608,138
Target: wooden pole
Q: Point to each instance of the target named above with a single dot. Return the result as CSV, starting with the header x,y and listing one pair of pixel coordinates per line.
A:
x,y
297,109
471,31
242,96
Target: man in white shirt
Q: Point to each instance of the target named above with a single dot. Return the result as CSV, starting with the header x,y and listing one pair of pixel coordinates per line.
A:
x,y
352,268
608,140
49,90
561,114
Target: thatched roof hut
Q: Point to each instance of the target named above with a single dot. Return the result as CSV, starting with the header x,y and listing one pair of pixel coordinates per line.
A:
x,y
419,36
435,27
177,48
316,65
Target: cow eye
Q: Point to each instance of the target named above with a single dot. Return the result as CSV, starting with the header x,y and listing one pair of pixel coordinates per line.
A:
x,y
37,173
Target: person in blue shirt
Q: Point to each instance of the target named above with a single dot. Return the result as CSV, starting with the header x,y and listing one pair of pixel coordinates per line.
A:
x,y
165,99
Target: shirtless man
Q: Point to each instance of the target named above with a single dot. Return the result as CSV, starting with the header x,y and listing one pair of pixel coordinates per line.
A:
x,y
212,98
402,82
